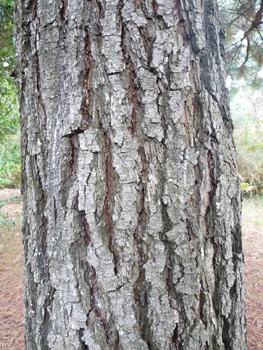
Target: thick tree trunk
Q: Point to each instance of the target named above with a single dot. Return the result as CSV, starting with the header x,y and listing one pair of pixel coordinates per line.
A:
x,y
132,209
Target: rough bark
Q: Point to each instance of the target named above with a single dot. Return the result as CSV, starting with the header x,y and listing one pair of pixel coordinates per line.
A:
x,y
131,230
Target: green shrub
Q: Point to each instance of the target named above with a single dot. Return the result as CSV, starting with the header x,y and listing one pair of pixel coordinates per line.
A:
x,y
9,115
10,162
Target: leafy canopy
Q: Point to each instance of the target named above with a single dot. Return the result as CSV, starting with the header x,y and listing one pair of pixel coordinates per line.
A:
x,y
243,23
9,117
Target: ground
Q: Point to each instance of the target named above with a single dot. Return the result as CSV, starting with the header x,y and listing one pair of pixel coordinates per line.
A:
x,y
252,224
11,266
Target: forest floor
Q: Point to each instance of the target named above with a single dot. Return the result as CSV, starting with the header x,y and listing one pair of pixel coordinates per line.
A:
x,y
252,226
11,271
11,266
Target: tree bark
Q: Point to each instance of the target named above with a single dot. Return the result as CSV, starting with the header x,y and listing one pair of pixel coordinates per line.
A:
x,y
132,231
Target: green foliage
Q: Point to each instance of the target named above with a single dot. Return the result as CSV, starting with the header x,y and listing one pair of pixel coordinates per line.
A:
x,y
242,21
10,162
247,113
9,117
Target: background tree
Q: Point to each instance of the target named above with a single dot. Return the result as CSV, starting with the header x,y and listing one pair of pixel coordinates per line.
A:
x,y
243,23
132,201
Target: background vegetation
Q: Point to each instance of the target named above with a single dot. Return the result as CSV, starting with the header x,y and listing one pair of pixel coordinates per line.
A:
x,y
9,117
247,113
243,25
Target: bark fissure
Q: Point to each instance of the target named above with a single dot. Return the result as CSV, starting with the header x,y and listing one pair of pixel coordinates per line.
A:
x,y
63,11
102,315
84,346
155,7
176,342
148,38
108,202
38,68
100,9
95,301
133,87
210,167
140,286
87,83
85,225
40,98
74,143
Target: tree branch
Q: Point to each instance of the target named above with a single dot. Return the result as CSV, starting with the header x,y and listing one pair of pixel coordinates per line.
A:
x,y
254,25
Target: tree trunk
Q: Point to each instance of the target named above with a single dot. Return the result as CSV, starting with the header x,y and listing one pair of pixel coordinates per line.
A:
x,y
132,230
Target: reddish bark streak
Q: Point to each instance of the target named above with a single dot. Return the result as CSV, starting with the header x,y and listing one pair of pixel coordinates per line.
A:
x,y
87,231
133,93
109,182
210,167
98,4
133,87
155,7
94,297
116,347
87,83
137,4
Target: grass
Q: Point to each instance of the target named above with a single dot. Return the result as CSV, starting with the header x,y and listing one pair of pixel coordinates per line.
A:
x,y
252,213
